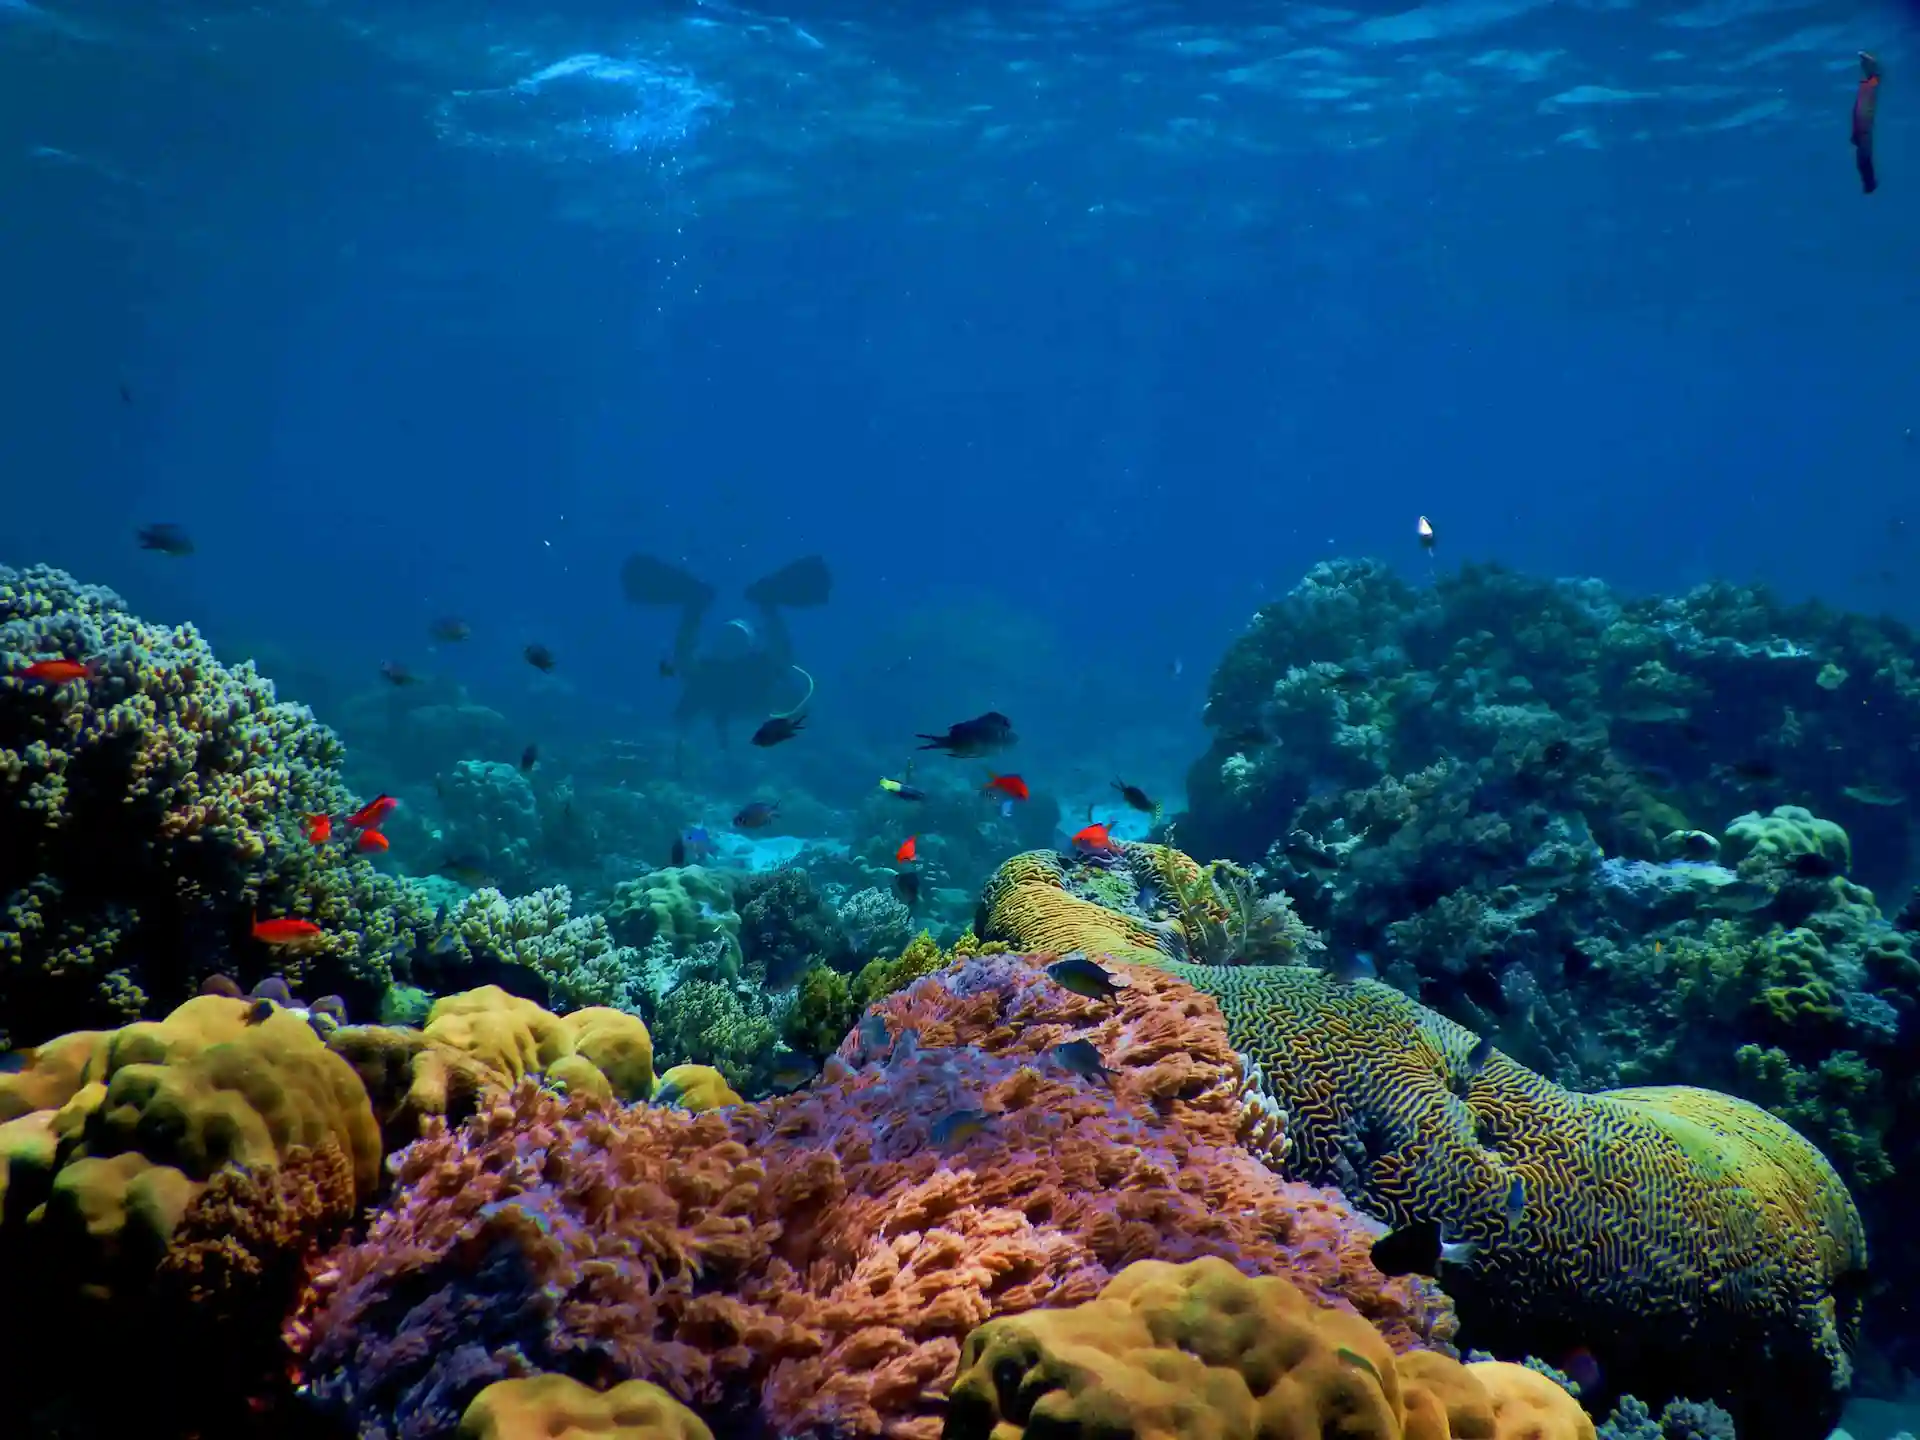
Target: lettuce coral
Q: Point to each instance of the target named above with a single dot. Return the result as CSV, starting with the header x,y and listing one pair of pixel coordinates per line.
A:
x,y
811,1265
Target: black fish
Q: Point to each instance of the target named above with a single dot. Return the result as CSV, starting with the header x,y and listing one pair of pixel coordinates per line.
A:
x,y
757,814
1138,799
1417,1249
540,657
667,671
778,728
167,538
906,884
678,855
529,757
971,739
450,629
1866,102
397,674
1755,771
1082,1057
1083,977
468,870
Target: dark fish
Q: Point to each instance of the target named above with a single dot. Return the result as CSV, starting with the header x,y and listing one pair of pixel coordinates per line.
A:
x,y
1356,965
1811,865
1138,799
450,628
1516,1205
1082,1057
1309,854
1418,1249
1754,771
1866,103
467,869
1478,1056
756,815
529,758
261,1009
902,791
790,1071
678,855
1081,976
957,1127
969,740
906,884
778,728
397,674
667,671
168,539
540,657
667,1094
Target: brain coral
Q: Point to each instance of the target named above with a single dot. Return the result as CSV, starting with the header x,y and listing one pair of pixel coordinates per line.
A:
x,y
1693,1242
810,1266
149,809
1202,1352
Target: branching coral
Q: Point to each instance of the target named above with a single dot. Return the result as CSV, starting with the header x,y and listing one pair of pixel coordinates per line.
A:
x,y
574,957
152,806
813,1265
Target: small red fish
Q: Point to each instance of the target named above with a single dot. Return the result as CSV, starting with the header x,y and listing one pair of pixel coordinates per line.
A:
x,y
1095,840
1866,102
1011,786
907,851
371,840
373,812
319,829
297,934
57,672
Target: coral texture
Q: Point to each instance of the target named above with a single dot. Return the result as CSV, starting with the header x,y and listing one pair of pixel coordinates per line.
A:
x,y
1202,1352
813,1264
1675,1208
554,1407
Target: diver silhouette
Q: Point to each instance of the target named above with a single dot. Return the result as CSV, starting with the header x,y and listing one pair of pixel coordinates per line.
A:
x,y
746,675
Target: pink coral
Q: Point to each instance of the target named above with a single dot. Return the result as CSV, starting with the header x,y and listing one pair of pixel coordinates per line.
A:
x,y
817,1261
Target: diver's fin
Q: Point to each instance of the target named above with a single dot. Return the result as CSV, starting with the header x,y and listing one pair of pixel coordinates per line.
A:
x,y
647,581
801,585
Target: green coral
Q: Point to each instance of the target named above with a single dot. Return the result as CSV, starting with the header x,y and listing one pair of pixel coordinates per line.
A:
x,y
575,955
706,1021
1841,1104
686,905
1787,833
829,1003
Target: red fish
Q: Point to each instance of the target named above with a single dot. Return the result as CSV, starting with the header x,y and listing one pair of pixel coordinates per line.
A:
x,y
907,851
297,934
373,812
319,829
1095,840
1866,101
57,672
371,840
1011,786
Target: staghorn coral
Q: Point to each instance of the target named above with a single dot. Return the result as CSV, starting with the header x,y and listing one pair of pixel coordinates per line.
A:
x,y
812,1264
151,808
1202,1352
1640,1205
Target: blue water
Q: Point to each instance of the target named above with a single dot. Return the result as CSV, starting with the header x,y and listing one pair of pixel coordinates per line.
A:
x,y
1069,334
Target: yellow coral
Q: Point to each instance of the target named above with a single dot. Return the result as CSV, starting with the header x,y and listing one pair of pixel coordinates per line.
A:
x,y
554,1407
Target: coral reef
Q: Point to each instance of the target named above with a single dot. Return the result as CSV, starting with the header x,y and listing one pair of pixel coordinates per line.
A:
x,y
1638,1205
161,1189
537,942
812,1264
152,807
1202,1352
